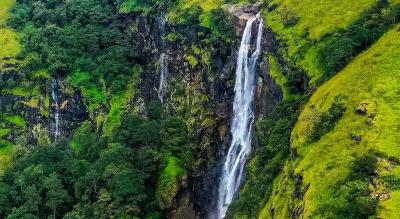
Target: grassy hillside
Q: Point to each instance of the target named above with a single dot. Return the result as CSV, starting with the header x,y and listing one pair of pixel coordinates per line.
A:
x,y
324,165
9,48
8,38
322,37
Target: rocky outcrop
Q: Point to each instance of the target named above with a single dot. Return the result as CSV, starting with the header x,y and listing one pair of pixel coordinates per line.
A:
x,y
192,88
71,107
242,13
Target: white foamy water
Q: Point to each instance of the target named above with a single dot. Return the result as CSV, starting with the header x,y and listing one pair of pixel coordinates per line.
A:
x,y
163,60
243,118
56,129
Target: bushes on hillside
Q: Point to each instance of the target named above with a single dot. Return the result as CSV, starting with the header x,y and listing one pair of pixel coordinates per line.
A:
x,y
75,36
130,174
351,198
337,50
328,119
144,6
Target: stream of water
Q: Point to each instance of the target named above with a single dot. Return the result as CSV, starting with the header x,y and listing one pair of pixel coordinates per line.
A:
x,y
56,129
163,60
243,117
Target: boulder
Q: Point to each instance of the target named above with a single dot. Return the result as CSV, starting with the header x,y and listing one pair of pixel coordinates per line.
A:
x,y
242,13
362,108
357,138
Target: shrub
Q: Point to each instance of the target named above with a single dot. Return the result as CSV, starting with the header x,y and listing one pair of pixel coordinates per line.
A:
x,y
328,120
289,17
352,198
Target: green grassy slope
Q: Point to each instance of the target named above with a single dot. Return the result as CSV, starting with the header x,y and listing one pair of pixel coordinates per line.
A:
x,y
8,38
372,78
308,28
9,48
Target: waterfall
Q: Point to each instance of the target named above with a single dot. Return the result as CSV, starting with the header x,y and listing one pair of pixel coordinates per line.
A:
x,y
243,118
56,128
162,59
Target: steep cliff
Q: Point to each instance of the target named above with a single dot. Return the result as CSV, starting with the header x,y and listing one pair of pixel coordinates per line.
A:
x,y
124,108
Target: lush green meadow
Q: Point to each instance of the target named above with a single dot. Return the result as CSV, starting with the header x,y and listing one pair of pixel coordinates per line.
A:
x,y
325,164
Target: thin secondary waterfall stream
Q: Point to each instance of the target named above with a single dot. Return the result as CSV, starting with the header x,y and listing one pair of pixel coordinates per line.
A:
x,y
162,59
56,128
243,117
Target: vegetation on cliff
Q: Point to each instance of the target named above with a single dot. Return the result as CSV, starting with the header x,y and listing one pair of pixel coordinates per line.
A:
x,y
328,150
131,157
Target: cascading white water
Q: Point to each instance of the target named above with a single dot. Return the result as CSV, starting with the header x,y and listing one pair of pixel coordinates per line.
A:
x,y
243,118
162,60
56,129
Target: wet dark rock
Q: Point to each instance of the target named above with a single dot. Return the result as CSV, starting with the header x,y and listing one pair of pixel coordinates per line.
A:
x,y
222,110
242,13
357,138
362,108
72,109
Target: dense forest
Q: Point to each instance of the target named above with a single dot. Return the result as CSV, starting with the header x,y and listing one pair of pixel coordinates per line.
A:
x,y
199,109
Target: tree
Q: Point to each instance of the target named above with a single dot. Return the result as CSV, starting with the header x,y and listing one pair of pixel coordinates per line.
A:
x,y
56,194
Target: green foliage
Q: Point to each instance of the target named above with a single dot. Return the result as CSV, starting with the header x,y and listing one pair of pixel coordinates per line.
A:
x,y
326,164
218,23
274,137
84,141
175,138
192,60
172,37
352,199
8,37
93,180
56,194
86,41
338,49
89,87
154,110
16,120
135,131
288,16
4,132
168,182
322,43
328,120
145,6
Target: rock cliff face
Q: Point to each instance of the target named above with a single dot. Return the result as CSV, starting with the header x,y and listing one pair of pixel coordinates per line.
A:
x,y
199,192
203,96
39,112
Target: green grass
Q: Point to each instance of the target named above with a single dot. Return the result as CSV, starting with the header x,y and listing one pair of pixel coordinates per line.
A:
x,y
168,181
6,149
4,10
4,132
41,74
17,120
119,102
372,77
173,168
24,91
118,105
319,18
91,91
276,72
206,5
300,24
10,46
